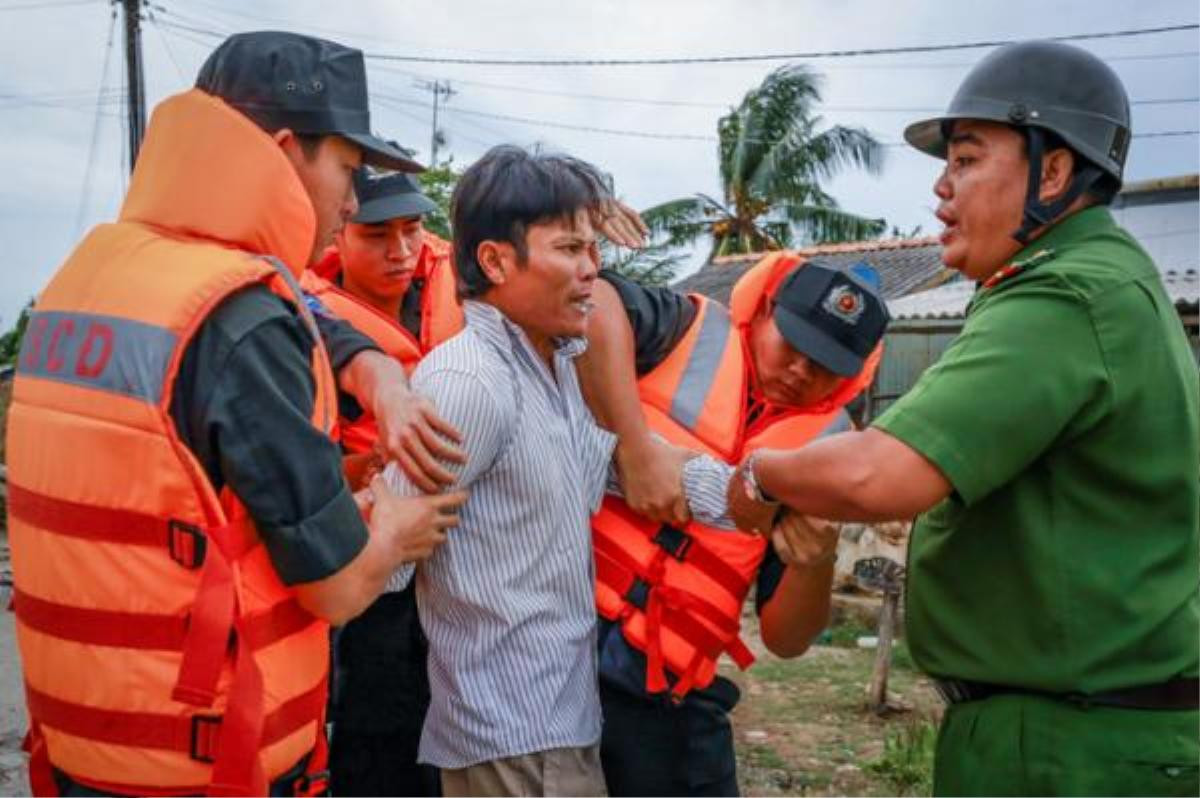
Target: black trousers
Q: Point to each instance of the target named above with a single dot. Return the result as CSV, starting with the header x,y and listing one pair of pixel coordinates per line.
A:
x,y
378,702
652,747
379,764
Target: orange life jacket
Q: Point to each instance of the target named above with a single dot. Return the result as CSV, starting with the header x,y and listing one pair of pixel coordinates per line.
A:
x,y
678,593
441,318
161,652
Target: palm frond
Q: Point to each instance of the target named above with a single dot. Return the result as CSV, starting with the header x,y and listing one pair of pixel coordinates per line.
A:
x,y
818,224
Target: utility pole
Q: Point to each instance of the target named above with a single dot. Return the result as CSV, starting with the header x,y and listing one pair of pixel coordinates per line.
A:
x,y
440,89
136,80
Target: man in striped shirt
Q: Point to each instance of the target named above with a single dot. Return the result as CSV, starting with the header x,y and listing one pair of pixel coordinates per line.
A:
x,y
508,602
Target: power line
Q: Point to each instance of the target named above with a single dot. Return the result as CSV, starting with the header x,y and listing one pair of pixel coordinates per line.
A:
x,y
728,59
162,37
717,106
86,190
655,135
59,4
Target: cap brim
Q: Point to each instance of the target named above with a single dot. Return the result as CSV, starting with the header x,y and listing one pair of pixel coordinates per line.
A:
x,y
377,152
815,343
397,206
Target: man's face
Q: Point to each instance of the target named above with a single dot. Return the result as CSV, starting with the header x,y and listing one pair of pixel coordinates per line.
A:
x,y
379,260
785,376
982,193
327,175
550,295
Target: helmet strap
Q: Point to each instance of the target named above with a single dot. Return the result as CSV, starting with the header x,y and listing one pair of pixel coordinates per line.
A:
x,y
1037,213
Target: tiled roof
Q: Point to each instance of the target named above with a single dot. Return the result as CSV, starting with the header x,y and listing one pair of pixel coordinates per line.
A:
x,y
950,301
904,265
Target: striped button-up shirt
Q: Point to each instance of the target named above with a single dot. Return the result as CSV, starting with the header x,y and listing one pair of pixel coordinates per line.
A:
x,y
508,601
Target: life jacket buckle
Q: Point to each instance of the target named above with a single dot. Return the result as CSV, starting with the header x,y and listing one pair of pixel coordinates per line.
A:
x,y
202,746
638,594
186,543
673,541
315,783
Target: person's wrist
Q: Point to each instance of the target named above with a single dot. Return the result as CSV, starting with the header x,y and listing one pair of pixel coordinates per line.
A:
x,y
751,478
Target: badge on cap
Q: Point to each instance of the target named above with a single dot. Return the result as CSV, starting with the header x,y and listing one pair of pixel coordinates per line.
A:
x,y
844,303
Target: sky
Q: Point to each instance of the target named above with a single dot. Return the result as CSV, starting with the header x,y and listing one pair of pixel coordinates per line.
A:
x,y
64,165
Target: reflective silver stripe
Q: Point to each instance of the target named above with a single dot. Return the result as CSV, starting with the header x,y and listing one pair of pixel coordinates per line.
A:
x,y
106,353
701,370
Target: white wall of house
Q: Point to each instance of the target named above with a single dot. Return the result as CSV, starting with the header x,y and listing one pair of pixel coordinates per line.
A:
x,y
1170,232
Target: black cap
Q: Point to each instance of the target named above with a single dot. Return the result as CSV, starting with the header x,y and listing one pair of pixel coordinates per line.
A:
x,y
383,196
832,316
310,85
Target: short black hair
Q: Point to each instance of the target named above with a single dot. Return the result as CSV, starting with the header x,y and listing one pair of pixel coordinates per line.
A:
x,y
506,191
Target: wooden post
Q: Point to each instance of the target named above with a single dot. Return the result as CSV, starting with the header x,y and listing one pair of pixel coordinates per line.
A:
x,y
887,576
883,652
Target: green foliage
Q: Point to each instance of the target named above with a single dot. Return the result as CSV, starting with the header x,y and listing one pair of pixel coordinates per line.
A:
x,y
846,633
907,759
773,160
10,342
438,182
654,264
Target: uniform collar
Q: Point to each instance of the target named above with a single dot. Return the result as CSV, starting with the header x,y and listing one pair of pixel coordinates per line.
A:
x,y
1076,227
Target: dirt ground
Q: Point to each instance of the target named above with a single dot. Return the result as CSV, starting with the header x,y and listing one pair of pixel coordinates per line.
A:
x,y
802,727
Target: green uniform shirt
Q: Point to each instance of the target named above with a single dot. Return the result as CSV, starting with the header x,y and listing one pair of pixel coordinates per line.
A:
x,y
1067,418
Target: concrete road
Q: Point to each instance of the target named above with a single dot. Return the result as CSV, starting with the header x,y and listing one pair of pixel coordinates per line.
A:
x,y
12,707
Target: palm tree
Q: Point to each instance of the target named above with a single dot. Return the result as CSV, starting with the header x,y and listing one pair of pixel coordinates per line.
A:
x,y
773,161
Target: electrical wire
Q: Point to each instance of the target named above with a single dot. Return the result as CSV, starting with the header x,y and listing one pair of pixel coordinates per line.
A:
x,y
716,106
59,4
729,59
86,190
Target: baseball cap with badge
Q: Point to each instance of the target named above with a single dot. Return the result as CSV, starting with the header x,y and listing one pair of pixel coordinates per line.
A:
x,y
383,196
312,86
834,316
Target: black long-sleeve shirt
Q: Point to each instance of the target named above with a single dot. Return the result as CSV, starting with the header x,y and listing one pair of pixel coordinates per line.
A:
x,y
243,402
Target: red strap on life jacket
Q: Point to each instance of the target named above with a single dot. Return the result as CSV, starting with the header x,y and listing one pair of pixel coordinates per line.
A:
x,y
203,737
673,609
41,772
693,551
652,574
210,624
145,630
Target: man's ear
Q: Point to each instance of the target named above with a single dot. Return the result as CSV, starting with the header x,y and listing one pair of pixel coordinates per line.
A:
x,y
286,138
494,259
1058,166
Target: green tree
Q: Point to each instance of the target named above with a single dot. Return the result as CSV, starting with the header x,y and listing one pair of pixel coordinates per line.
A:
x,y
655,264
773,159
10,342
438,183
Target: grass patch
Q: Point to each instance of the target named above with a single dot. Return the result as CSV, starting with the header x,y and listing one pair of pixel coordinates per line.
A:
x,y
901,658
846,634
907,760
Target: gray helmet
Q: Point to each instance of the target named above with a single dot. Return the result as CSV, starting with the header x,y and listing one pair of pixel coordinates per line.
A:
x,y
1037,86
1049,85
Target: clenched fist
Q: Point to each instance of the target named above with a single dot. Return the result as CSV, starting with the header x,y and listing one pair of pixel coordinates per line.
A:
x,y
803,541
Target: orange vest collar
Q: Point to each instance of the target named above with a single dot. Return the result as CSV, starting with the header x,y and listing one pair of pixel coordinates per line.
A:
x,y
207,172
